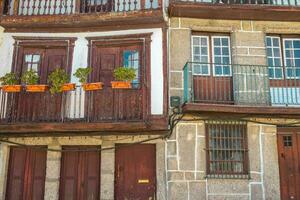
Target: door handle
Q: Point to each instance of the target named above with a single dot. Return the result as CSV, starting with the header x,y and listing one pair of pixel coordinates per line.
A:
x,y
118,171
282,155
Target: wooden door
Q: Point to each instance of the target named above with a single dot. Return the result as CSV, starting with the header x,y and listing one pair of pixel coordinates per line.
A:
x,y
26,174
39,106
135,174
114,104
289,165
80,173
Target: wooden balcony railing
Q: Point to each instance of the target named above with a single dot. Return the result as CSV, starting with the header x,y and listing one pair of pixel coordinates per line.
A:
x,y
249,2
104,105
68,7
243,85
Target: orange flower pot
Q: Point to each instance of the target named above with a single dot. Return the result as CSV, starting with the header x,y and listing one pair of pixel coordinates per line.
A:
x,y
68,87
92,86
36,88
121,84
12,88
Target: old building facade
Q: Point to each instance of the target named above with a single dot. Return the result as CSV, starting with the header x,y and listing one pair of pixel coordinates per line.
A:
x,y
233,141
213,112
83,144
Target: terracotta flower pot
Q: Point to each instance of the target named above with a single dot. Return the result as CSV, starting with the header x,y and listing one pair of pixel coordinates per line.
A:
x,y
121,84
68,87
92,86
12,88
36,88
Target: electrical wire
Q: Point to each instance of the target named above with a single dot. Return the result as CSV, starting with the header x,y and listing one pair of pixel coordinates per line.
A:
x,y
174,119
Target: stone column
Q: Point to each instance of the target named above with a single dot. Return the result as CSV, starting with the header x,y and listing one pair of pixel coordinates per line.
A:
x,y
180,48
52,173
250,74
271,164
107,171
4,152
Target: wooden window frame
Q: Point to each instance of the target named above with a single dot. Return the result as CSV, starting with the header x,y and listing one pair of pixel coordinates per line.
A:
x,y
42,42
229,125
210,53
127,40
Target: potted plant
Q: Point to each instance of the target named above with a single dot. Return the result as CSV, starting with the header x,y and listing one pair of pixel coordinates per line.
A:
x,y
59,80
30,78
123,77
10,83
82,74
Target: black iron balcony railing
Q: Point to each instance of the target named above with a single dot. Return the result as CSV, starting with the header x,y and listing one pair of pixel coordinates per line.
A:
x,y
68,7
104,105
238,84
249,2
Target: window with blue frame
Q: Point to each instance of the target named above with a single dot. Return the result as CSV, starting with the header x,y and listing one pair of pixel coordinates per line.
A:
x,y
274,57
292,57
211,53
131,59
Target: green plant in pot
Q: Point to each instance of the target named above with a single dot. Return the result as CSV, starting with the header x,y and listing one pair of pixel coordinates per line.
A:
x,y
59,80
9,83
31,78
123,76
82,74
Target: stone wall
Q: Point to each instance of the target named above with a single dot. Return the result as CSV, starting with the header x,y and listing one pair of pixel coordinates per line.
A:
x,y
186,166
248,48
107,162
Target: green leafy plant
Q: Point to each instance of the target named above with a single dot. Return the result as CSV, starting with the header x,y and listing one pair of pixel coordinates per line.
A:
x,y
82,74
9,79
57,79
124,74
30,77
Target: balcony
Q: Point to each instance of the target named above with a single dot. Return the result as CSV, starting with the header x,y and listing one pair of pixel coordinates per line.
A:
x,y
273,10
38,14
240,86
120,110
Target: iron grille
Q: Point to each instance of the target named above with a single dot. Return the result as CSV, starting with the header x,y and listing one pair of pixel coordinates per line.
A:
x,y
227,149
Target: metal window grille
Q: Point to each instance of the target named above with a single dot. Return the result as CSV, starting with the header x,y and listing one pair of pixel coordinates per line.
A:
x,y
227,149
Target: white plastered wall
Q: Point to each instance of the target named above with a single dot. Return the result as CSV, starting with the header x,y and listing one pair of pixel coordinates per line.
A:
x,y
81,54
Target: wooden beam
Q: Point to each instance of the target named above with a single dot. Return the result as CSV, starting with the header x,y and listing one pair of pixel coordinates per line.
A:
x,y
292,112
84,22
78,128
234,11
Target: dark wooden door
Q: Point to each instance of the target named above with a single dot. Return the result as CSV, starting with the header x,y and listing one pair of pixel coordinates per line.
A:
x,y
39,106
114,104
26,174
135,174
289,165
80,173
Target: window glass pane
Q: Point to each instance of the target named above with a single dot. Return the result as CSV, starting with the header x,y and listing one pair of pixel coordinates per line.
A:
x,y
269,39
218,70
28,58
196,40
297,53
217,51
131,60
226,70
225,42
271,72
278,73
297,44
221,55
274,57
200,54
36,58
